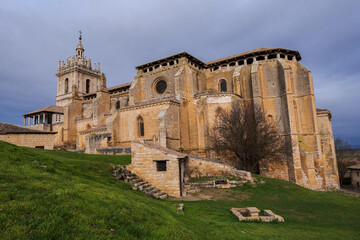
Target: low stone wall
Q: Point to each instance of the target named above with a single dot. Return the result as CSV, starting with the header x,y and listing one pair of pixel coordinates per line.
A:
x,y
45,141
203,167
114,150
196,187
77,150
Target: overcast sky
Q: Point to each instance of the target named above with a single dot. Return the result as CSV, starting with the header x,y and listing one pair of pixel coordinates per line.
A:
x,y
35,35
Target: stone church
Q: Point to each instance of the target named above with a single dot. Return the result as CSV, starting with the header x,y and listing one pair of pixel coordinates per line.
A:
x,y
172,100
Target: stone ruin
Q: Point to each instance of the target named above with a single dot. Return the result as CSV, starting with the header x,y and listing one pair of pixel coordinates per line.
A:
x,y
252,214
195,187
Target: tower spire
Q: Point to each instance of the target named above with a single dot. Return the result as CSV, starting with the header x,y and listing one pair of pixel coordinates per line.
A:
x,y
80,49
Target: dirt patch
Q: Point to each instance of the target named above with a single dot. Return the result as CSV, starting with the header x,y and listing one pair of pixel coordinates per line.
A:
x,y
214,194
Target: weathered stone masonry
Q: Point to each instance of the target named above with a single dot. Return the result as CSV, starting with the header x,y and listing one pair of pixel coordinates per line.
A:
x,y
172,100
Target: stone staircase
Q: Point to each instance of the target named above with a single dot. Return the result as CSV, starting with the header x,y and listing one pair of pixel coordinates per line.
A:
x,y
121,173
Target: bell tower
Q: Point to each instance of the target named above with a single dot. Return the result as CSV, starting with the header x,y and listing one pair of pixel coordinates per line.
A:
x,y
76,71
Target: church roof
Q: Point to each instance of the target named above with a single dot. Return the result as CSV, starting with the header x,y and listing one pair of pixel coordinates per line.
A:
x,y
172,57
255,52
7,128
118,87
48,109
95,129
244,55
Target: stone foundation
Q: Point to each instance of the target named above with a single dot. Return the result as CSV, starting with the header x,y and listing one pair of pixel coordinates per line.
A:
x,y
253,214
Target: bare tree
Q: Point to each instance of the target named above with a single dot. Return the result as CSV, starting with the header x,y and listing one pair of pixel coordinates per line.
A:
x,y
343,157
246,132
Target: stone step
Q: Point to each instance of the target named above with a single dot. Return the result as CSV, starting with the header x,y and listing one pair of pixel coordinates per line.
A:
x,y
156,190
142,187
141,183
129,178
149,189
135,180
130,175
157,194
118,177
163,196
115,173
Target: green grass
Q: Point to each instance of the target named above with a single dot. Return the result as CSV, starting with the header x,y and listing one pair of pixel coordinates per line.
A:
x,y
61,195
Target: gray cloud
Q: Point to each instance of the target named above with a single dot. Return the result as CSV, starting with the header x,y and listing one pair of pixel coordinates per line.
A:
x,y
123,34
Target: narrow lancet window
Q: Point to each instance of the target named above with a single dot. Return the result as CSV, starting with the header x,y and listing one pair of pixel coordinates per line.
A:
x,y
141,128
87,85
223,87
66,87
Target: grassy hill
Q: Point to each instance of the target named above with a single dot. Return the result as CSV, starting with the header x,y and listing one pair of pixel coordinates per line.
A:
x,y
61,195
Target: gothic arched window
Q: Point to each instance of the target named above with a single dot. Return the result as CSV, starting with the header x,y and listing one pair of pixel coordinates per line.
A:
x,y
223,87
140,126
87,85
66,86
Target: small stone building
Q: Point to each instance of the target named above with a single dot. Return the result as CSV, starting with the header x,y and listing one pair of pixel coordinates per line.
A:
x,y
45,118
355,176
26,137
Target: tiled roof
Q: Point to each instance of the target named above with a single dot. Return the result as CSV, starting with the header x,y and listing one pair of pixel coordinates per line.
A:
x,y
169,99
51,108
258,50
239,54
96,129
162,149
7,128
111,89
356,166
172,57
250,53
120,86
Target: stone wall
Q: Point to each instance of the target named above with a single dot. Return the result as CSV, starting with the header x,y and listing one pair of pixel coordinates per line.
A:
x,y
30,140
203,167
355,179
150,113
328,148
114,150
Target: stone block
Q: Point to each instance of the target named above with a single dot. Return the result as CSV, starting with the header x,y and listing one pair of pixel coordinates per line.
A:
x,y
279,218
268,213
253,211
225,186
266,218
252,218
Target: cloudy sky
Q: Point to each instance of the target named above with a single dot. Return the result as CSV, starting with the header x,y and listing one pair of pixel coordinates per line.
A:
x,y
35,35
